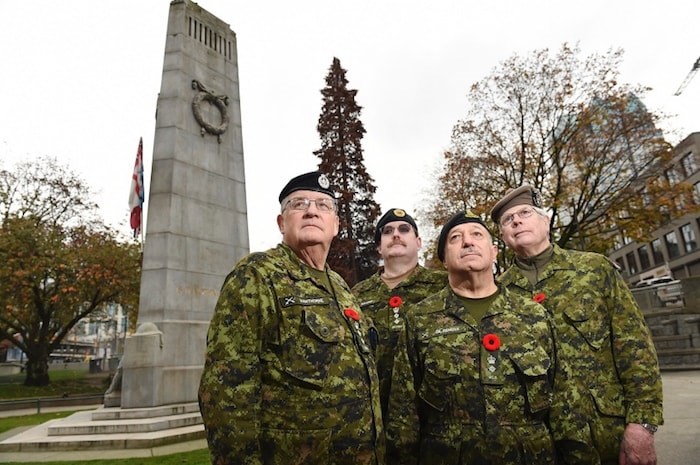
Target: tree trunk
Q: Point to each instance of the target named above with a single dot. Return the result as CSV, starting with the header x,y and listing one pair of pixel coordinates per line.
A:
x,y
37,372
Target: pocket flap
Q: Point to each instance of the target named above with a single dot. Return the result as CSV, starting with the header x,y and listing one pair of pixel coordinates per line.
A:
x,y
531,360
323,327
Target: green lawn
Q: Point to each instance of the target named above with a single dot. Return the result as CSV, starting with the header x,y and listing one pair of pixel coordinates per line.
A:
x,y
195,457
9,423
63,382
77,383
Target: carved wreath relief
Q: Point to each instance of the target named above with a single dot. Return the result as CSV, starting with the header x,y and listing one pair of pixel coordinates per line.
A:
x,y
219,101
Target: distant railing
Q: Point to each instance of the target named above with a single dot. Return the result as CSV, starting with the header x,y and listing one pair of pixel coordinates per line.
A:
x,y
660,295
45,402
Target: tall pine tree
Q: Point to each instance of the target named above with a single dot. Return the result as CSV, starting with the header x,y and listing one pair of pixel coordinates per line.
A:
x,y
353,253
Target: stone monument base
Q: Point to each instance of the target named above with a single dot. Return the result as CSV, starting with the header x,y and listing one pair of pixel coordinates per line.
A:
x,y
112,429
149,376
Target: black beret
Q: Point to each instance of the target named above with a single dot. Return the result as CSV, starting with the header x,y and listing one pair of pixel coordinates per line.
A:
x,y
456,219
523,195
394,214
313,181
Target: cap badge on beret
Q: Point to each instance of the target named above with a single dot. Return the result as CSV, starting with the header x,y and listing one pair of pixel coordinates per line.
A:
x,y
314,181
393,214
323,181
536,198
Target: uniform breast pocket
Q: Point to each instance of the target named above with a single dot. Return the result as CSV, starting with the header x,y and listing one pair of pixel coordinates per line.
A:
x,y
590,325
532,363
443,370
312,348
437,387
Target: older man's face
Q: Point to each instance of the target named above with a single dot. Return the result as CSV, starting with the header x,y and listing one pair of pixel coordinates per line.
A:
x,y
469,247
308,225
524,230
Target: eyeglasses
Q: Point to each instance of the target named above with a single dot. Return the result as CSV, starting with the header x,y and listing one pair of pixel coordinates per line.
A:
x,y
301,204
522,214
403,229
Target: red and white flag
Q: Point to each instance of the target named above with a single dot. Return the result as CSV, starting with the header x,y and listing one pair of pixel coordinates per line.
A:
x,y
136,195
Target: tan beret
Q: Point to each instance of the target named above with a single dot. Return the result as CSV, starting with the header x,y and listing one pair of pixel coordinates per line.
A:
x,y
523,195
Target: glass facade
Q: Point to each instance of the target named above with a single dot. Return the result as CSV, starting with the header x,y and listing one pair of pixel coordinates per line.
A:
x,y
643,253
689,241
672,244
656,252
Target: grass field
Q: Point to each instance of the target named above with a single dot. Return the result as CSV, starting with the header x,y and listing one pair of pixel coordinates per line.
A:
x,y
63,382
76,383
195,457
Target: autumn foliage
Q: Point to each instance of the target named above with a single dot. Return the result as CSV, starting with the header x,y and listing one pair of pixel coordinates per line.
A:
x,y
58,264
566,125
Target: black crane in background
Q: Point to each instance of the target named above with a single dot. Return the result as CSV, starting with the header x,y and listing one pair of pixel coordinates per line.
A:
x,y
689,77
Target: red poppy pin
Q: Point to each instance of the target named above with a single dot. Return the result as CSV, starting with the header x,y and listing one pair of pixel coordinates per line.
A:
x,y
395,301
491,342
352,314
539,298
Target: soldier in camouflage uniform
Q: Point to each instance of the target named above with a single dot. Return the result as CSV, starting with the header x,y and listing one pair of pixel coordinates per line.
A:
x,y
600,329
476,379
289,376
401,282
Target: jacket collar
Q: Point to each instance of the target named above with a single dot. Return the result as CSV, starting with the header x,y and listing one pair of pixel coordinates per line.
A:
x,y
560,260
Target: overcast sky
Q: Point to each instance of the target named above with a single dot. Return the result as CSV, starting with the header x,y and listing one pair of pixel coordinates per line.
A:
x,y
80,80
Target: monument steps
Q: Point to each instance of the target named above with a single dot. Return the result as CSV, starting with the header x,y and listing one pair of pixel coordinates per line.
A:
x,y
676,334
144,412
127,429
143,425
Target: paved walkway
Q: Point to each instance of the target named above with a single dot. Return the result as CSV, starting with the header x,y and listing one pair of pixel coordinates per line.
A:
x,y
677,442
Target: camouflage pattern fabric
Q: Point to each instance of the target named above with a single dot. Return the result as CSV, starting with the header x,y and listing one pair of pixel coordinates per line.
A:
x,y
602,334
289,377
452,401
374,297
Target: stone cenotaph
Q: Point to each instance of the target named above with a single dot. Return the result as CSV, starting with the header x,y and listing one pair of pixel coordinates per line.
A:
x,y
197,219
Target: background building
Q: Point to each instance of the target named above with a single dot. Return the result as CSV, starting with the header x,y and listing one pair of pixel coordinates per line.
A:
x,y
673,249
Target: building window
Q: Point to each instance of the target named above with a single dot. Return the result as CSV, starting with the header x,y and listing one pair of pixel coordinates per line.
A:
x,y
689,164
621,264
672,176
656,252
696,192
643,253
672,245
632,263
689,238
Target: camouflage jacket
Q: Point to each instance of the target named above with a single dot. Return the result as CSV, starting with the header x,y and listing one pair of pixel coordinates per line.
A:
x,y
601,333
453,401
289,375
374,297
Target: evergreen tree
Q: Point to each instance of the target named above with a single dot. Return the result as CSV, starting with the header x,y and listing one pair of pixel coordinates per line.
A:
x,y
353,253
